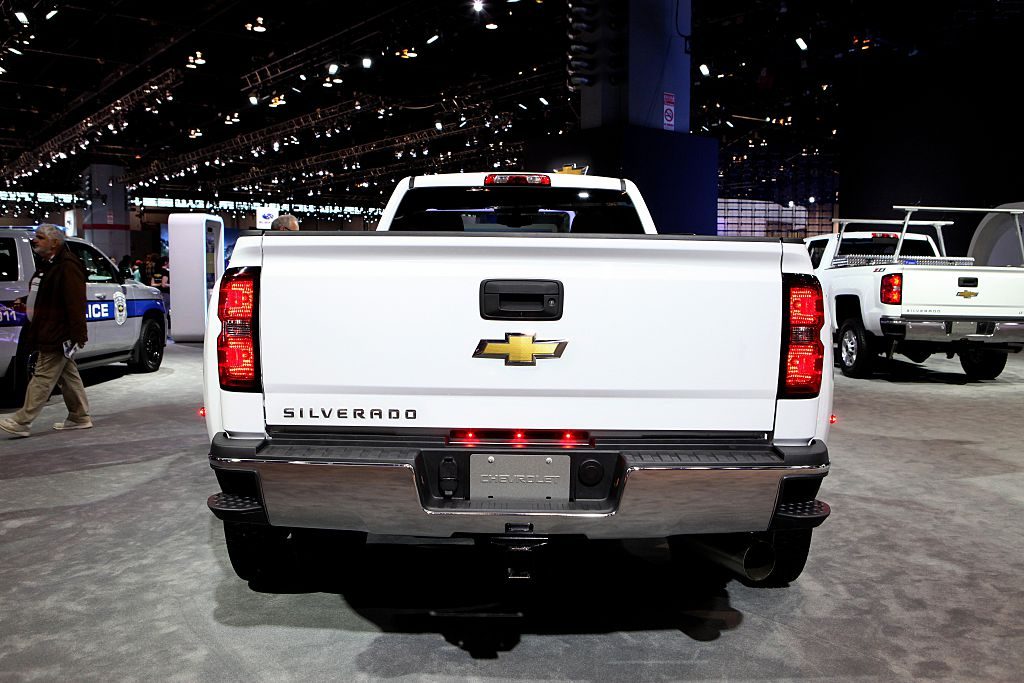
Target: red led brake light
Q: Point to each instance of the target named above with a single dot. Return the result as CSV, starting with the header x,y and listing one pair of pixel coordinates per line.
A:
x,y
891,290
519,437
803,353
517,179
887,235
806,307
237,307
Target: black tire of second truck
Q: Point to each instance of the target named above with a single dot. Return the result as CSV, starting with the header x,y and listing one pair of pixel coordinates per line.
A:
x,y
149,349
982,363
856,355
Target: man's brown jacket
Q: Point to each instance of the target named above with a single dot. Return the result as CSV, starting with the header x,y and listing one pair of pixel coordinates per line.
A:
x,y
59,312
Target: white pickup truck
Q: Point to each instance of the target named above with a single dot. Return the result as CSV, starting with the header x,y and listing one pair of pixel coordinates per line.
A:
x,y
517,358
893,291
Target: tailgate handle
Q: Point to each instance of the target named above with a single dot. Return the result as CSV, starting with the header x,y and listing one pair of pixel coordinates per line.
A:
x,y
521,300
967,282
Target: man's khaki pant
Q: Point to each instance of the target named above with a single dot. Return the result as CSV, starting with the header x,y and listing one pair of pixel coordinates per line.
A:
x,y
52,368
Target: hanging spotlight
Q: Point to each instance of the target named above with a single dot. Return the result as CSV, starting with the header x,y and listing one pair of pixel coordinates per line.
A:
x,y
332,69
253,100
258,27
367,62
51,14
801,44
432,39
705,70
22,17
478,5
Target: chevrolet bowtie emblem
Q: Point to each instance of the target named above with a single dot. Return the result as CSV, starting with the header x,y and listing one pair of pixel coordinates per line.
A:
x,y
967,294
519,349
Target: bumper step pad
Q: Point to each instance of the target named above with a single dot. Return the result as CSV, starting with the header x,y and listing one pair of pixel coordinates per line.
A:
x,y
236,508
805,514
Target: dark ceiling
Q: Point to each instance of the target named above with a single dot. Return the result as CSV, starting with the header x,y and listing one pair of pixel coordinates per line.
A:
x,y
115,83
111,82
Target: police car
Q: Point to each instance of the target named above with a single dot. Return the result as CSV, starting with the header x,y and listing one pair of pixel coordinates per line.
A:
x,y
126,319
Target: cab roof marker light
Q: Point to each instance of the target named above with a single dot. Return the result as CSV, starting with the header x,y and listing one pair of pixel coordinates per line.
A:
x,y
517,179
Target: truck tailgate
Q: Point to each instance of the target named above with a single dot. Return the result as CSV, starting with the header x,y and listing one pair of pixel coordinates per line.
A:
x,y
978,292
380,330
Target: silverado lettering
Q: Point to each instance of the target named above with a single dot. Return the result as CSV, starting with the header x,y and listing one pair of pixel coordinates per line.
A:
x,y
343,413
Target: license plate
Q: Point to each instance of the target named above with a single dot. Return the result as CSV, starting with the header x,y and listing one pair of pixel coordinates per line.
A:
x,y
518,477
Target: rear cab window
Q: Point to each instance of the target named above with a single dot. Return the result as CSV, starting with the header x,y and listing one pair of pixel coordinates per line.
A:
x,y
884,246
816,249
517,210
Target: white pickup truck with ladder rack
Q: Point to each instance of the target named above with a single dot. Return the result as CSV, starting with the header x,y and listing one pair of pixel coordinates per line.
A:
x,y
893,291
519,358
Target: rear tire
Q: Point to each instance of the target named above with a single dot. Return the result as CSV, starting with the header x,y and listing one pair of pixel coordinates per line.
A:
x,y
982,363
148,353
14,383
257,552
791,550
856,353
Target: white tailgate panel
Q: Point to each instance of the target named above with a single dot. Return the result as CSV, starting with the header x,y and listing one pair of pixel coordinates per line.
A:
x,y
1000,291
662,334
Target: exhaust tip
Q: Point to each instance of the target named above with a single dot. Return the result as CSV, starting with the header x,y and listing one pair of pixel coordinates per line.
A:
x,y
758,561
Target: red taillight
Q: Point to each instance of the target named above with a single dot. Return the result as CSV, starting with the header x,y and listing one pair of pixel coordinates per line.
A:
x,y
886,235
892,289
802,351
237,307
201,412
517,179
832,419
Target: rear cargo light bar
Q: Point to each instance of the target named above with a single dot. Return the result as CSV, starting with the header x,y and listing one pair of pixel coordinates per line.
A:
x,y
517,179
803,354
891,290
518,437
237,348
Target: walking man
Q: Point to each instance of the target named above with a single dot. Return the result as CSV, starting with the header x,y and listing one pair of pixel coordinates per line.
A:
x,y
57,330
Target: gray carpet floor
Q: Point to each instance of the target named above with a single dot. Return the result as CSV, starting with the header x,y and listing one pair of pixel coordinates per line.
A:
x,y
112,568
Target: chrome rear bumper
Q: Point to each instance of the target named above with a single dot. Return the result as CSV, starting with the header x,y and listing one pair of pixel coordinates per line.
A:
x,y
986,331
381,491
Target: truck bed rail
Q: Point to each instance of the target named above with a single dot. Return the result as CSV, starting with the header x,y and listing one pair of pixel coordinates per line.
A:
x,y
850,260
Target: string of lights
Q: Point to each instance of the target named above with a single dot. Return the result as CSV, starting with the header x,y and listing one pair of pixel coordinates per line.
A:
x,y
351,155
244,143
111,119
